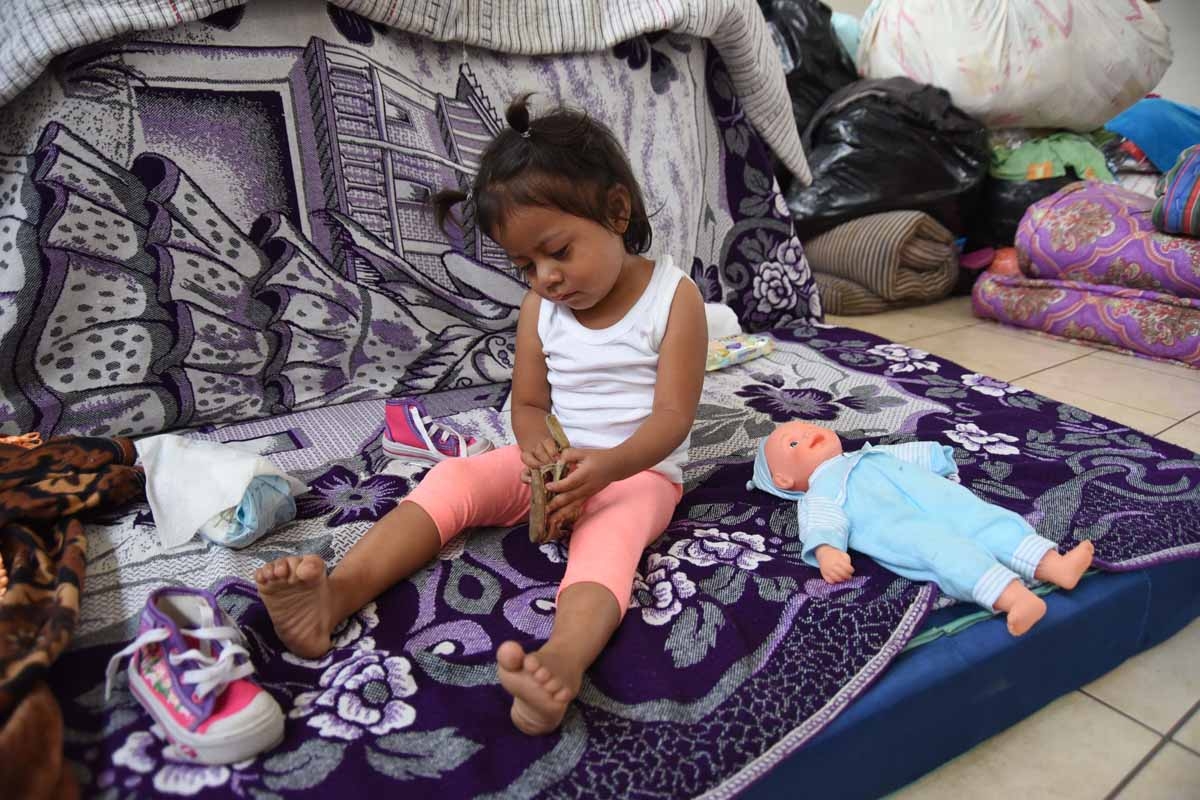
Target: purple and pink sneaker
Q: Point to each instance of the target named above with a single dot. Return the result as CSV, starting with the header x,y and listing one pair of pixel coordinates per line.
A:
x,y
190,670
412,435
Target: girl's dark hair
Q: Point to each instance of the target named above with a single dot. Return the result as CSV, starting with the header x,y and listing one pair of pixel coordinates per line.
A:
x,y
563,159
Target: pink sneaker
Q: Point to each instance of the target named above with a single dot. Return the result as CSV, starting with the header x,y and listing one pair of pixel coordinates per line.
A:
x,y
190,671
412,435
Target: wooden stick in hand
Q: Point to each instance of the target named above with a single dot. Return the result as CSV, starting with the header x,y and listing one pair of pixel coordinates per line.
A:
x,y
559,524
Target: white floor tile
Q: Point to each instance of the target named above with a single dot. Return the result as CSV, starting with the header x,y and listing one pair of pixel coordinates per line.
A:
x,y
983,349
1158,686
1161,367
1184,434
1129,384
1135,418
899,326
1189,734
1072,748
1172,773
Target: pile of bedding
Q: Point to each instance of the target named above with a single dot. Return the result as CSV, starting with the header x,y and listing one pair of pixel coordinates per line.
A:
x,y
1094,268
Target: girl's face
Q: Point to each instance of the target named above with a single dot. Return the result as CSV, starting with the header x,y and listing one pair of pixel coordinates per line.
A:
x,y
564,258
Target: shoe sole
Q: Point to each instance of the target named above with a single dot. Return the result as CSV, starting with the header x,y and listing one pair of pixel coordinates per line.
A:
x,y
210,749
421,454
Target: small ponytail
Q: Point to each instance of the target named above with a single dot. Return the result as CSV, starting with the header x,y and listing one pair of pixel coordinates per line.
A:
x,y
572,162
443,206
517,114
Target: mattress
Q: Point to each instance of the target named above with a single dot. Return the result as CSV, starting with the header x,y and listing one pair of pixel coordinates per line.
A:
x,y
912,720
1144,323
734,656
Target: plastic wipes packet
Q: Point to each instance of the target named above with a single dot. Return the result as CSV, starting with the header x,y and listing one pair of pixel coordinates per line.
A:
x,y
736,349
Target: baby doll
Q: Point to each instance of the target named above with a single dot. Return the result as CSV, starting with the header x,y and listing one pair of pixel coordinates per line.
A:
x,y
894,504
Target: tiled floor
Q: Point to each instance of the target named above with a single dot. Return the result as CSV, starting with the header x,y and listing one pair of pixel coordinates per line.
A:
x,y
1135,733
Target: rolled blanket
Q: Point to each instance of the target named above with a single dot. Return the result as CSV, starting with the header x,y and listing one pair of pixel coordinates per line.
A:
x,y
883,261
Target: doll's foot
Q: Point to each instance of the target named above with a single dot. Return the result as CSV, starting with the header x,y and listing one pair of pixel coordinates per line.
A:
x,y
1065,570
543,683
1023,607
295,591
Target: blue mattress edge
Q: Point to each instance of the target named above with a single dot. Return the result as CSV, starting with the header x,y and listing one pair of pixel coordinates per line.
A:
x,y
941,699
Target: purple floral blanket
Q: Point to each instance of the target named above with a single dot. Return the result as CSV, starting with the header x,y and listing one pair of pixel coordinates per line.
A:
x,y
733,655
1096,269
1138,321
1102,233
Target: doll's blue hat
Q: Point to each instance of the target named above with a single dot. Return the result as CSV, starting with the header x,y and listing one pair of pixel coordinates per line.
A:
x,y
763,481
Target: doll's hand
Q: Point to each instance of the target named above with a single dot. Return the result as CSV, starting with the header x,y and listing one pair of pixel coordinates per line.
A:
x,y
593,470
835,564
542,453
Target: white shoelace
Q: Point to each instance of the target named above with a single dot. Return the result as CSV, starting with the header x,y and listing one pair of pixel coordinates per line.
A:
x,y
213,676
426,425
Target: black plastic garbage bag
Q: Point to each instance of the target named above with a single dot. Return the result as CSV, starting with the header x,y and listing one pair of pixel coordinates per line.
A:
x,y
1004,204
816,63
887,145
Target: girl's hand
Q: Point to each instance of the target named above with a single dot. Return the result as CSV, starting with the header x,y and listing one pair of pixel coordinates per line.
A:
x,y
835,564
594,469
542,453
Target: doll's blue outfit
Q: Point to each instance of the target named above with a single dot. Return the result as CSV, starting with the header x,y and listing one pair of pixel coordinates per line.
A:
x,y
895,504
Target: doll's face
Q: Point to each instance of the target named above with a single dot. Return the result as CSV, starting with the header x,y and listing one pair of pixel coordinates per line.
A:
x,y
795,449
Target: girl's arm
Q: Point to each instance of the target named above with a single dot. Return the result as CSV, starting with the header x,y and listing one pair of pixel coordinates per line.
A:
x,y
531,389
680,378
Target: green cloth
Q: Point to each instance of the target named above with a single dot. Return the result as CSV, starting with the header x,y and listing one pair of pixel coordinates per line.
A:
x,y
959,625
1049,157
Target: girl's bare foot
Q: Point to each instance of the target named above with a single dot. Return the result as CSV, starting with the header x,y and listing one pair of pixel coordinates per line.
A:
x,y
1024,608
296,593
543,683
1065,570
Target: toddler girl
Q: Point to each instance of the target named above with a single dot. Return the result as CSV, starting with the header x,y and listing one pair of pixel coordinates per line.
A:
x,y
610,342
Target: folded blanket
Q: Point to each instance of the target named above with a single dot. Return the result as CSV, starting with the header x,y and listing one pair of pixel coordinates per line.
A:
x,y
882,261
1103,234
37,30
1177,209
1146,323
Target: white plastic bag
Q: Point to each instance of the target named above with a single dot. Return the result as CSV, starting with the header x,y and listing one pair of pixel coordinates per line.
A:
x,y
1071,64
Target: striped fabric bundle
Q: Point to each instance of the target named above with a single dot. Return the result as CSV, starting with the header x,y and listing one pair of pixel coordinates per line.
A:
x,y
883,261
35,31
1177,209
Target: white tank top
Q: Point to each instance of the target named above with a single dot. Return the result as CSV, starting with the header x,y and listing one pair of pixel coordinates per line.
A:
x,y
602,381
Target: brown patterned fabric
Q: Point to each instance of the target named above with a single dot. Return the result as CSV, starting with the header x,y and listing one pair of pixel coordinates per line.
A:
x,y
32,766
43,491
883,261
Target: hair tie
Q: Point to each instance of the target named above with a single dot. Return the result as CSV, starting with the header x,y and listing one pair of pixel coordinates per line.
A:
x,y
525,133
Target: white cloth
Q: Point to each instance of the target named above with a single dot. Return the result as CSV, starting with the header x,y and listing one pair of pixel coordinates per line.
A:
x,y
189,481
602,381
721,319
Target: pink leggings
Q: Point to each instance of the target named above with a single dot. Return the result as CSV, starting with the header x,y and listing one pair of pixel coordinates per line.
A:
x,y
616,526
